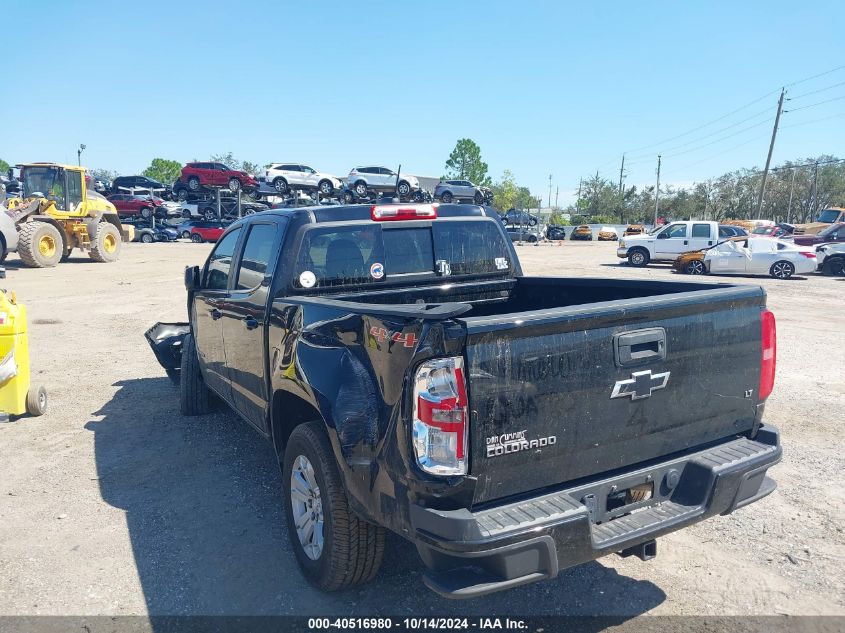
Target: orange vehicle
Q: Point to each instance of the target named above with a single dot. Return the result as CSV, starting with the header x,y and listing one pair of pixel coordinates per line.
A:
x,y
634,229
582,232
692,262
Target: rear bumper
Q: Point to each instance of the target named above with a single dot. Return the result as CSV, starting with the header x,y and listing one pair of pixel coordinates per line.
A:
x,y
470,554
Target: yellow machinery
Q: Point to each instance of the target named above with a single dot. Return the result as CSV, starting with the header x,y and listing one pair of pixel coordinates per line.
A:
x,y
17,395
57,212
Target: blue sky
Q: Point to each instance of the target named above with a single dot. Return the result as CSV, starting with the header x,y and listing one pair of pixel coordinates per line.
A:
x,y
543,87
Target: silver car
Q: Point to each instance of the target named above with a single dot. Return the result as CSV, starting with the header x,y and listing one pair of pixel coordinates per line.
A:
x,y
363,180
448,190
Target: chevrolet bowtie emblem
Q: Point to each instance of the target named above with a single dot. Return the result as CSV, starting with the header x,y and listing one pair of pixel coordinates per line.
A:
x,y
640,385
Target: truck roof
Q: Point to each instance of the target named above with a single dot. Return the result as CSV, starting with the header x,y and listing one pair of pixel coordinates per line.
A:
x,y
363,212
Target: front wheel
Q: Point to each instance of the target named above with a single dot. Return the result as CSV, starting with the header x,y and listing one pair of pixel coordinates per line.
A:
x,y
146,238
182,195
234,184
281,185
361,189
194,396
146,212
834,266
194,184
335,548
638,258
403,189
478,198
782,270
105,243
532,222
348,198
196,238
186,235
326,188
695,267
446,197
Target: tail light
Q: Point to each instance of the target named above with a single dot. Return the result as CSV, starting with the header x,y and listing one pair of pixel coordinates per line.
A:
x,y
383,212
441,417
808,254
768,358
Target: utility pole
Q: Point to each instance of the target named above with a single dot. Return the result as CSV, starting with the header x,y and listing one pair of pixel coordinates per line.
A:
x,y
580,182
621,199
815,189
557,192
550,190
769,157
789,206
657,192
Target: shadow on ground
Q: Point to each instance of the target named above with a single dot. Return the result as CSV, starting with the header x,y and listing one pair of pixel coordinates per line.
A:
x,y
202,504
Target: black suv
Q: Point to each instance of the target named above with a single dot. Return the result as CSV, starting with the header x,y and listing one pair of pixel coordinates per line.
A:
x,y
125,184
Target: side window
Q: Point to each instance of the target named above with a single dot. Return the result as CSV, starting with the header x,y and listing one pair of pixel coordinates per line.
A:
x,y
74,189
336,257
701,230
677,231
220,262
256,256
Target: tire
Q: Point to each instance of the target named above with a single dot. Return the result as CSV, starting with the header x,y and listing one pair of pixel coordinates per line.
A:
x,y
782,270
446,197
196,238
186,235
40,244
348,550
403,188
532,222
194,183
638,258
4,252
348,198
146,212
531,239
325,188
146,238
182,195
695,267
253,195
36,400
478,198
194,396
186,214
834,266
361,189
281,185
105,243
66,254
234,184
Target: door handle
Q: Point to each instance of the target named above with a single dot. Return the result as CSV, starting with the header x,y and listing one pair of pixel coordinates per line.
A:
x,y
250,322
215,313
639,347
686,242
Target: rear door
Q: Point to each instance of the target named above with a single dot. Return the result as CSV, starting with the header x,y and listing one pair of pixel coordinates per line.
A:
x,y
244,325
208,311
701,236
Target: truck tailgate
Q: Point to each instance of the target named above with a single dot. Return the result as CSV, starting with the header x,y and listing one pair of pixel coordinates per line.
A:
x,y
567,393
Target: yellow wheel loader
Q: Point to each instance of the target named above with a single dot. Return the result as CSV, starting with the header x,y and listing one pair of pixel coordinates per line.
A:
x,y
57,212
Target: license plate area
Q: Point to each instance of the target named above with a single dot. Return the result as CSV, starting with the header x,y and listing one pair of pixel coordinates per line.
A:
x,y
621,499
610,499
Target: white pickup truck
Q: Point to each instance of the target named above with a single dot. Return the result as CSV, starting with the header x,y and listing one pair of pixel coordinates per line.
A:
x,y
665,244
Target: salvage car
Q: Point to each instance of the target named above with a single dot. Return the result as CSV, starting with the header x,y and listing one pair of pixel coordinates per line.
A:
x,y
523,234
832,234
748,256
831,259
462,190
198,175
410,378
516,217
582,232
363,180
555,233
286,176
137,206
607,234
634,229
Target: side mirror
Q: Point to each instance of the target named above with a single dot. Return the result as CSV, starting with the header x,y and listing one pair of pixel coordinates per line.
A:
x,y
267,281
192,278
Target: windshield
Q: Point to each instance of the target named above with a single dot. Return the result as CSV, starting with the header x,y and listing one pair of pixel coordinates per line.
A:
x,y
829,215
828,231
44,180
762,230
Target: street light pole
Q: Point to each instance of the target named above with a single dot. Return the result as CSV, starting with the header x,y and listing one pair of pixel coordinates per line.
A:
x,y
657,192
79,154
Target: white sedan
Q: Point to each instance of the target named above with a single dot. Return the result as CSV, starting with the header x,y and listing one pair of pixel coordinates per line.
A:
x,y
759,256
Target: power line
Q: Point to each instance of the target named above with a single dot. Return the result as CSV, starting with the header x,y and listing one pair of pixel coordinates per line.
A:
x,y
722,153
812,92
827,72
818,103
835,116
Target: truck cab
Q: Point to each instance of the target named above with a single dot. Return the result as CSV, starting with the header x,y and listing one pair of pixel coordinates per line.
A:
x,y
667,243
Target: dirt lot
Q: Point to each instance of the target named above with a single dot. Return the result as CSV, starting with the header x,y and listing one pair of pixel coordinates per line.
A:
x,y
115,504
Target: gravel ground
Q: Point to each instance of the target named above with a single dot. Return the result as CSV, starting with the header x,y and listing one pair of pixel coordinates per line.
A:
x,y
114,504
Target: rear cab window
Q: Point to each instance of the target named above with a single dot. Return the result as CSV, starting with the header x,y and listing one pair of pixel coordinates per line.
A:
x,y
378,253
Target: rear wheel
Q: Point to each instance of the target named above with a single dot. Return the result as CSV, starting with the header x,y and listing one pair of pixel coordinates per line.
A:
x,y
695,267
446,197
478,199
638,257
146,212
36,400
334,547
194,396
281,185
234,184
361,189
182,195
105,243
194,183
146,238
403,189
532,222
325,188
782,270
40,245
186,235
196,238
186,214
348,198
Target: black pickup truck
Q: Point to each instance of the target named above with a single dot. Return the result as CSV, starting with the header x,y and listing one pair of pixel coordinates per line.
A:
x,y
412,379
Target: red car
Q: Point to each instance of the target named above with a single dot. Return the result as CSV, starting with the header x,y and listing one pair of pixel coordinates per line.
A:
x,y
207,231
198,175
130,206
833,233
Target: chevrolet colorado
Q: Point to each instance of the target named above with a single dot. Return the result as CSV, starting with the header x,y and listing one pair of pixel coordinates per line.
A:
x,y
411,378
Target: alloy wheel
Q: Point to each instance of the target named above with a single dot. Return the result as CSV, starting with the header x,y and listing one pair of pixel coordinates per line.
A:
x,y
307,507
